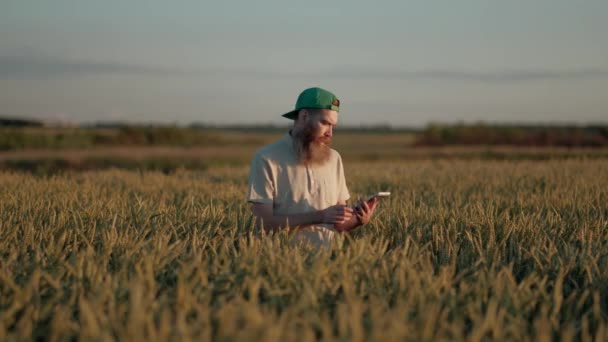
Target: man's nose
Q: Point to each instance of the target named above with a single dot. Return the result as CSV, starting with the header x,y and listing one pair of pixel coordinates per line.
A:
x,y
329,133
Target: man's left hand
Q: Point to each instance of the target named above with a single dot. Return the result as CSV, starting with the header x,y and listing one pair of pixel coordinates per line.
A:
x,y
364,210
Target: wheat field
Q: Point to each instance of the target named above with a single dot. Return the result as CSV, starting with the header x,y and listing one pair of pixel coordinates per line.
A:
x,y
473,250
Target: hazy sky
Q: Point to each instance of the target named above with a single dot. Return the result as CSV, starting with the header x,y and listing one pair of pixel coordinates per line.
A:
x,y
389,62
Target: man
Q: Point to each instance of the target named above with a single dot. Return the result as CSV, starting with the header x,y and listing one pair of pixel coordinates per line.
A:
x,y
298,181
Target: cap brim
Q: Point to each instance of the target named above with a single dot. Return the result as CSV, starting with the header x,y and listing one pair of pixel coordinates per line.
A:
x,y
291,115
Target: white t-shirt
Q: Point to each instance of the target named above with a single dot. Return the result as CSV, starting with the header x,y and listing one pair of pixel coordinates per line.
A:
x,y
277,177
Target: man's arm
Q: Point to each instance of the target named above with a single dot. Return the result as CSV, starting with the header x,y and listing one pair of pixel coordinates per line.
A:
x,y
265,217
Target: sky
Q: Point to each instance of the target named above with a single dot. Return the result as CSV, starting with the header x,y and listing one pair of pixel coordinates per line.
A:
x,y
400,63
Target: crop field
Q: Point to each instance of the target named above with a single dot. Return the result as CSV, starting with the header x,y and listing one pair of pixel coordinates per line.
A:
x,y
156,242
463,249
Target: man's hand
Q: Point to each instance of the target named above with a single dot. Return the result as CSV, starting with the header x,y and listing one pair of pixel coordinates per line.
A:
x,y
364,210
337,214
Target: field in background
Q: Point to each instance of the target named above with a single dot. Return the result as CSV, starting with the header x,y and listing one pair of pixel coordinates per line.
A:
x,y
224,148
48,151
463,249
480,134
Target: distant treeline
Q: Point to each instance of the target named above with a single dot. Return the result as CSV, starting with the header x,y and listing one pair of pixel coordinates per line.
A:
x,y
14,122
27,135
20,138
483,134
120,134
263,127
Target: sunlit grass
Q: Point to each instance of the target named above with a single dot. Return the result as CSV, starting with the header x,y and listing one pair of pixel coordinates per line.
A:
x,y
480,249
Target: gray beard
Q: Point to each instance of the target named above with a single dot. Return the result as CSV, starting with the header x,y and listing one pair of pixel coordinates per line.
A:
x,y
310,151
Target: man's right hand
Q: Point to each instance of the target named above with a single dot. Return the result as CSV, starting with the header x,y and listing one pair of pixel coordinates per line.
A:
x,y
337,214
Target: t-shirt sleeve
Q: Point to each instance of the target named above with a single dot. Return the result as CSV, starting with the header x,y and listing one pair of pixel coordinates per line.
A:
x,y
261,184
343,194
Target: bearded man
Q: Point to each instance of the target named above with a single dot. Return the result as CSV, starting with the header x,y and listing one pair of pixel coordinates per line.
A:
x,y
298,181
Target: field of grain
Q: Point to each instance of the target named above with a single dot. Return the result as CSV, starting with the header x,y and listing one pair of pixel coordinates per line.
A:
x,y
230,148
463,249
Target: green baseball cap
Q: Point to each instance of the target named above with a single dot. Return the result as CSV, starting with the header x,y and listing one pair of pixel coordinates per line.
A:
x,y
314,98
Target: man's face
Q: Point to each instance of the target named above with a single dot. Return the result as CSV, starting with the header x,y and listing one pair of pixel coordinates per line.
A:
x,y
321,123
313,134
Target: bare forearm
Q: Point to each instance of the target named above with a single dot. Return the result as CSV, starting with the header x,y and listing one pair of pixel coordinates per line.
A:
x,y
266,217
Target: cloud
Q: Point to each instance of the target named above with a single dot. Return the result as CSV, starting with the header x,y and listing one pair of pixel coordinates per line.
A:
x,y
446,75
499,76
26,67
40,67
